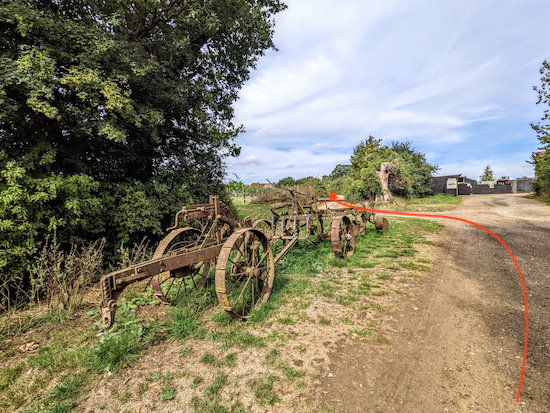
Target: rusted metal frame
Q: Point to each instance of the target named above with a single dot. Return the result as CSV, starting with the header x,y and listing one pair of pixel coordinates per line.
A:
x,y
284,251
150,268
213,225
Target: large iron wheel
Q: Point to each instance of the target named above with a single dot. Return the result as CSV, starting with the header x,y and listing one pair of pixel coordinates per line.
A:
x,y
244,272
265,226
169,286
342,237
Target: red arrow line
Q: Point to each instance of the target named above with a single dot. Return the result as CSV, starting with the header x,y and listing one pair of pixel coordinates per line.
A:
x,y
334,198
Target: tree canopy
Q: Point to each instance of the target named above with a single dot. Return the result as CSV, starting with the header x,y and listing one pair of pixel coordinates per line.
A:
x,y
411,174
542,128
115,113
488,174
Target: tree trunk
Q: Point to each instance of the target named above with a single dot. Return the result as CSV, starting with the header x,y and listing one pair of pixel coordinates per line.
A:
x,y
384,174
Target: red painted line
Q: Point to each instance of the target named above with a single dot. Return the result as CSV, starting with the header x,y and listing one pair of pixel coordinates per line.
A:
x,y
334,198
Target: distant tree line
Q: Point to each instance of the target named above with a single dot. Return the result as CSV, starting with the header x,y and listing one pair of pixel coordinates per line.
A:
x,y
411,175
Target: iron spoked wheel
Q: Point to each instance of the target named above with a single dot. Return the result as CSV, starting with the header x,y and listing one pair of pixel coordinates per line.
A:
x,y
172,285
315,231
381,224
244,272
169,286
265,226
342,237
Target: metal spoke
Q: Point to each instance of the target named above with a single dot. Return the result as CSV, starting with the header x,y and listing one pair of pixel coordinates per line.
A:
x,y
235,283
169,288
234,263
241,295
179,288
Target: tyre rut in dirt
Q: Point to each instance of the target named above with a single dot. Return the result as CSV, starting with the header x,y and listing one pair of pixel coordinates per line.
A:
x,y
244,272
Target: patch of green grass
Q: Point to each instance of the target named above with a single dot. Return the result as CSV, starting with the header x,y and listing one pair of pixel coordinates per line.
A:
x,y
383,340
168,393
387,254
272,356
220,381
379,293
9,375
292,373
424,260
346,320
196,381
141,388
186,350
263,390
378,307
545,199
286,321
385,277
223,318
368,264
230,359
301,349
237,337
256,211
208,358
61,399
415,267
338,262
184,318
346,300
362,333
115,350
324,321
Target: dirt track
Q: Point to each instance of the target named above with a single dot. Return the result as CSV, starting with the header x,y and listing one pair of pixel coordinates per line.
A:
x,y
458,338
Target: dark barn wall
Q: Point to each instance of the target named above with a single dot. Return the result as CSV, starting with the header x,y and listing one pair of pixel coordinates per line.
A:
x,y
498,189
439,185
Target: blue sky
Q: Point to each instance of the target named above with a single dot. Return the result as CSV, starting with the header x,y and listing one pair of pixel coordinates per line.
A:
x,y
455,78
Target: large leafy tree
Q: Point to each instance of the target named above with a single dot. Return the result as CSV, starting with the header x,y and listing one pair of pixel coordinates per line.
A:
x,y
541,159
114,113
410,175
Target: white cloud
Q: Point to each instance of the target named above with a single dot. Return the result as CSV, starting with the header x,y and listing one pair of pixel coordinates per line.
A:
x,y
249,160
455,78
318,146
266,131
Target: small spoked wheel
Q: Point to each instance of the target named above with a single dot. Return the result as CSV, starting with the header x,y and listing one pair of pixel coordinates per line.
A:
x,y
244,272
169,286
342,237
315,231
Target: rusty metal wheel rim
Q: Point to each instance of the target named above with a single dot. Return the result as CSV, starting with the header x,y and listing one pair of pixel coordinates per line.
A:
x,y
171,285
342,236
381,224
240,291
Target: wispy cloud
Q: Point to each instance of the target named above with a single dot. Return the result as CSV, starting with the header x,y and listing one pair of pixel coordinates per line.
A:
x,y
455,78
249,160
318,146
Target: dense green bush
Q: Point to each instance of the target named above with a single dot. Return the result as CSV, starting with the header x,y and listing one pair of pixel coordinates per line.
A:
x,y
113,115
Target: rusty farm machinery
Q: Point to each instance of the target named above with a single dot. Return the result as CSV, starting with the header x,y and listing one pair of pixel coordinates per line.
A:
x,y
239,253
